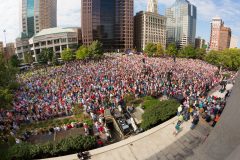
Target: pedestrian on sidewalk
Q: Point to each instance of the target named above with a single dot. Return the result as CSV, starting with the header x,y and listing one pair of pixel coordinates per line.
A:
x,y
194,121
216,119
177,128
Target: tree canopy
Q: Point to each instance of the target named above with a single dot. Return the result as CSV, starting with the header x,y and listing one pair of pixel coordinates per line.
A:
x,y
7,82
14,61
95,50
82,53
228,58
45,56
67,54
160,50
200,53
55,60
28,58
150,49
172,49
188,52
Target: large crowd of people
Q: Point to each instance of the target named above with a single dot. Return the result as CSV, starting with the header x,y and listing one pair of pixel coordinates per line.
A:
x,y
96,86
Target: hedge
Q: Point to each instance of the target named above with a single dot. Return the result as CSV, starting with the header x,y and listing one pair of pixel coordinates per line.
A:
x,y
157,112
71,145
150,102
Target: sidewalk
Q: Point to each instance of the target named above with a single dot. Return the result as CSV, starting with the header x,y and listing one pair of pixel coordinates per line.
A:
x,y
157,143
217,93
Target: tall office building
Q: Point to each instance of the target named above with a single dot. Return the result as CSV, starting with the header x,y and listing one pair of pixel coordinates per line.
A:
x,y
152,6
220,37
37,15
225,38
200,43
234,42
149,27
9,50
109,21
181,23
1,47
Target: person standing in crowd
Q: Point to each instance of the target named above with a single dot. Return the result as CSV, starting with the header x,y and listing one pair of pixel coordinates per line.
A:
x,y
195,121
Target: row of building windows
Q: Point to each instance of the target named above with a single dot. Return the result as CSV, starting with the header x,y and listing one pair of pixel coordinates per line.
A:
x,y
55,41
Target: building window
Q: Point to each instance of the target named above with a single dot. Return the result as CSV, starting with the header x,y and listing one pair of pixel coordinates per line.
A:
x,y
64,47
56,41
49,42
63,40
57,48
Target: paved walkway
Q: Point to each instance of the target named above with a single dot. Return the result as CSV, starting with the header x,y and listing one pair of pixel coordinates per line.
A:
x,y
222,94
154,144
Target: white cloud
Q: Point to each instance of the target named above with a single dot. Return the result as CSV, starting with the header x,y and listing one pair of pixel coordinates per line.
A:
x,y
69,13
9,19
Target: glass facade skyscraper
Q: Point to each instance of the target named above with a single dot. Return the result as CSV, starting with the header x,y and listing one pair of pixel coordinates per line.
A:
x,y
30,18
37,15
181,23
109,21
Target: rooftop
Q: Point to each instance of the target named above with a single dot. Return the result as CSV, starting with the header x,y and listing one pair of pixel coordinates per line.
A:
x,y
53,31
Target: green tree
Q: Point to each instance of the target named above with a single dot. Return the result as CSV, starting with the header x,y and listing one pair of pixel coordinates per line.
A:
x,y
7,82
6,98
28,58
200,53
67,55
14,61
45,56
49,54
42,58
188,52
95,50
150,49
230,58
213,57
82,53
171,49
160,50
55,60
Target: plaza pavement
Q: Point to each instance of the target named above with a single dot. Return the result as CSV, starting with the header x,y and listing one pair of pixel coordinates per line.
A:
x,y
222,94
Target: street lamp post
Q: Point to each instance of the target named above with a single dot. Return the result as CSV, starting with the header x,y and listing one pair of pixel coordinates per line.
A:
x,y
4,32
5,54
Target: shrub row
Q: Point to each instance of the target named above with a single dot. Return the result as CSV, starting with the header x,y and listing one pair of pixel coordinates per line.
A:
x,y
71,145
157,112
50,123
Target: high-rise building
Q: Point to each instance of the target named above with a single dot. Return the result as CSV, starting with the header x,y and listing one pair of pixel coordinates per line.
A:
x,y
225,38
181,23
152,6
22,47
200,43
109,21
216,25
149,27
220,35
234,42
9,50
37,15
1,47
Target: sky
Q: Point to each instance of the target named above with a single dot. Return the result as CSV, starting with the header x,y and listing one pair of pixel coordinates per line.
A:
x,y
69,15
